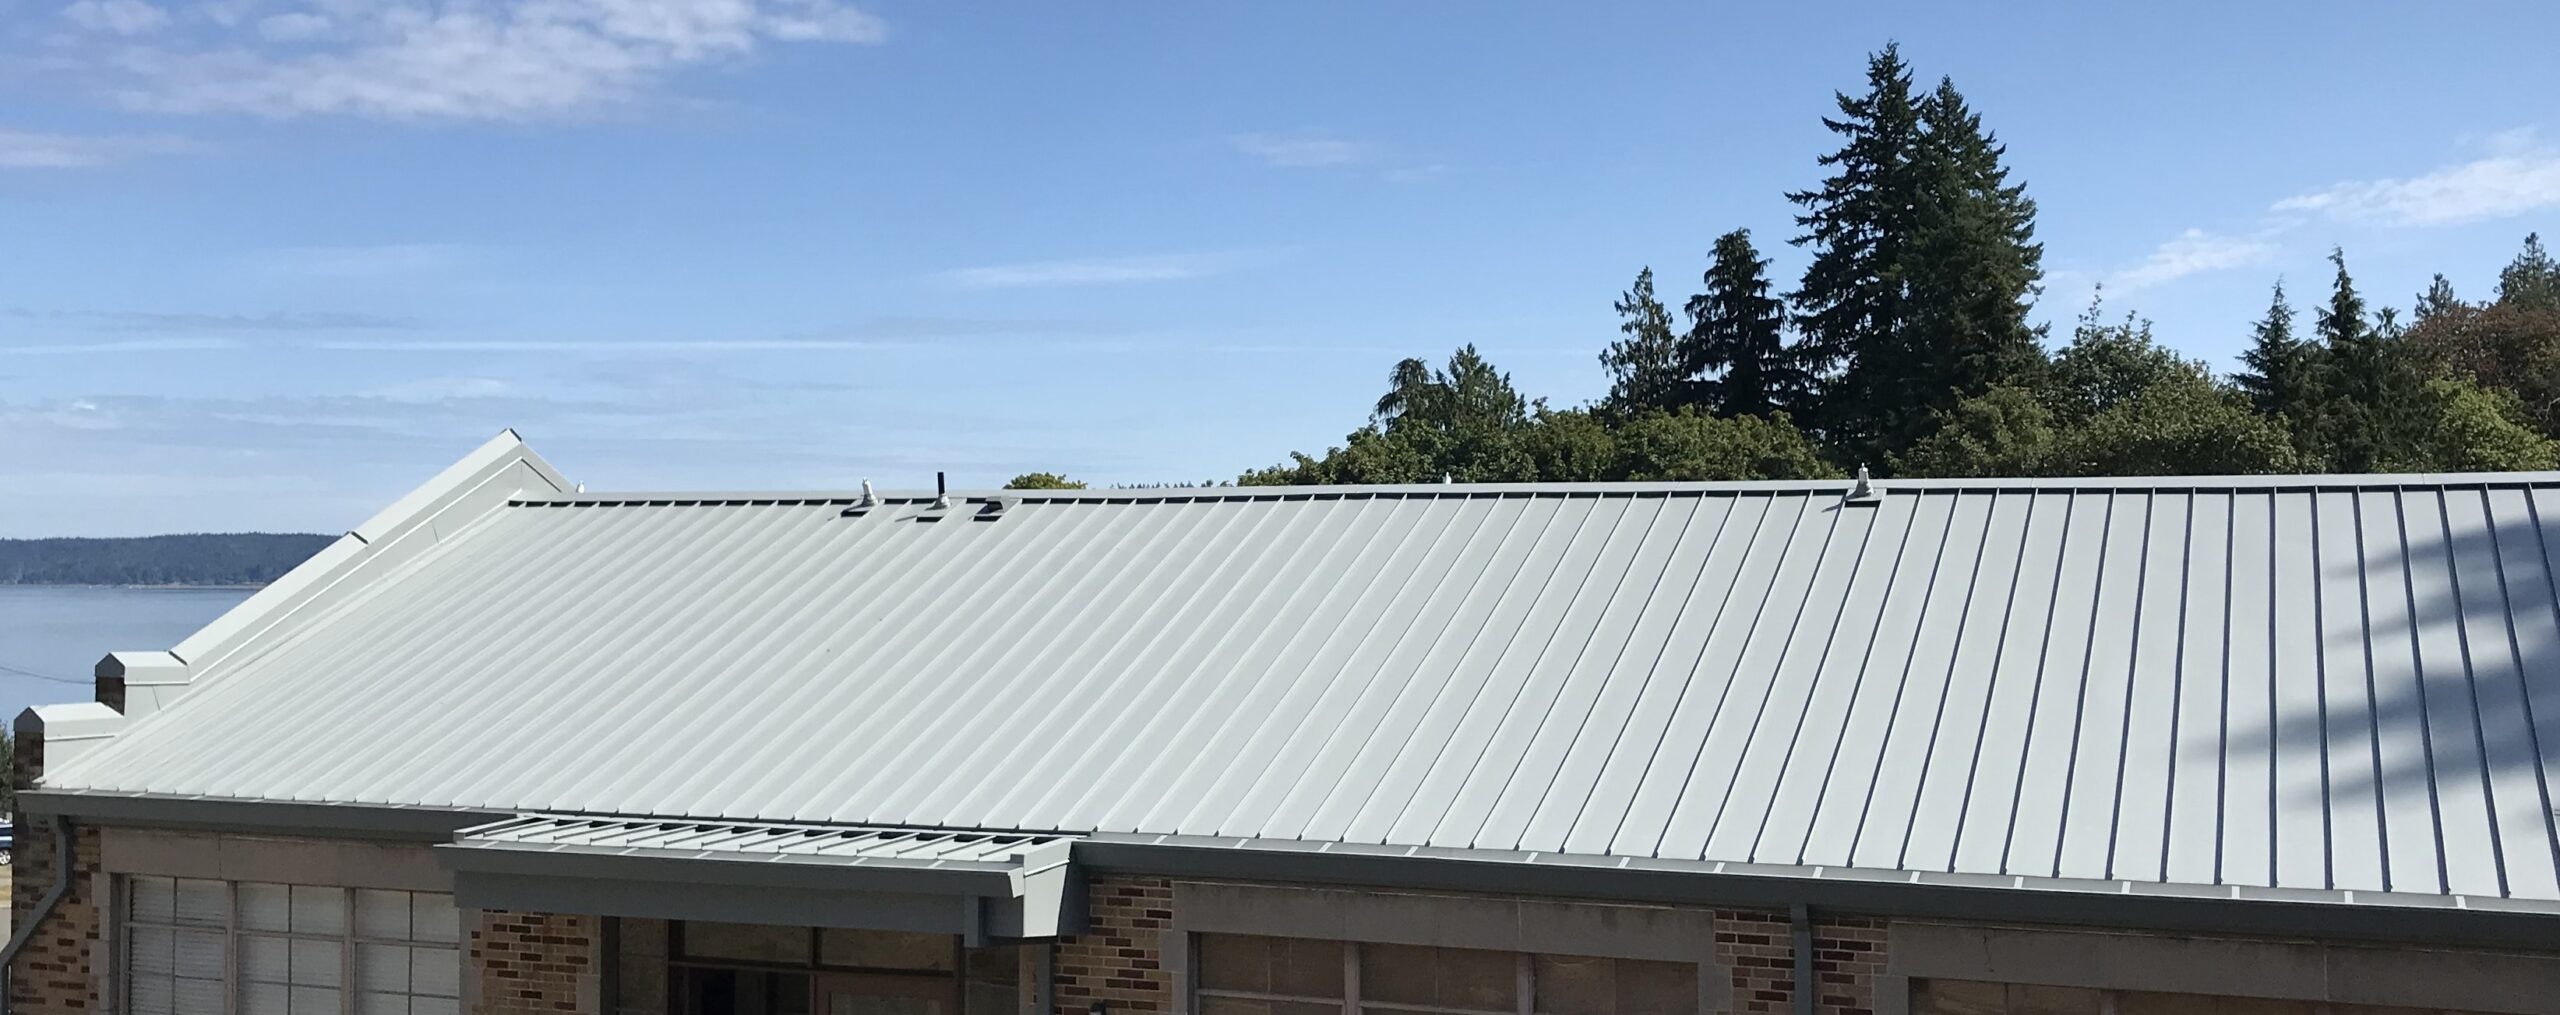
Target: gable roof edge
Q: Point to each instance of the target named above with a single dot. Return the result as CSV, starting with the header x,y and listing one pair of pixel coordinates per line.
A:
x,y
482,481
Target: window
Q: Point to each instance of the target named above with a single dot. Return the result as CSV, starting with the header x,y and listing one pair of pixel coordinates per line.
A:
x,y
1248,975
1970,997
730,968
199,946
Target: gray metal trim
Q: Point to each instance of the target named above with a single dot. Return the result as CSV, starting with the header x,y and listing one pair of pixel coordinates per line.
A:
x,y
1887,487
224,814
676,900
788,872
2448,922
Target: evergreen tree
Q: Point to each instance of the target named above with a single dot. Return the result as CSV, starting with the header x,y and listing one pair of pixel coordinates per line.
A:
x,y
2532,280
2278,369
1925,265
1645,368
1858,223
1976,265
2364,418
1737,336
2437,301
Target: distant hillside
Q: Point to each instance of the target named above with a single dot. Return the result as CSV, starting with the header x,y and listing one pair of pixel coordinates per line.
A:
x,y
235,558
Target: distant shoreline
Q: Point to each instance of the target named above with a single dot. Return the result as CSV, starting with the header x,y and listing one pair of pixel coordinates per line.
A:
x,y
170,587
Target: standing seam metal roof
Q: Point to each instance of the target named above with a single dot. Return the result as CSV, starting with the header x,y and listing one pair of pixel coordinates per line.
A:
x,y
2333,684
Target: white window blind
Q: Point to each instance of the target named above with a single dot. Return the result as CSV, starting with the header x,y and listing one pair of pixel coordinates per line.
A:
x,y
243,948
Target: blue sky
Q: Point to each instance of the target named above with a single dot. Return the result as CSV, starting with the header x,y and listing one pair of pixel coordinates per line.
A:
x,y
267,263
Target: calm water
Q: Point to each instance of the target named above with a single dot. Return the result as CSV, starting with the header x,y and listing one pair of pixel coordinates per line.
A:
x,y
60,631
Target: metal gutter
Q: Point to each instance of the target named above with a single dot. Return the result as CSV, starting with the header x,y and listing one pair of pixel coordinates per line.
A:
x,y
2436,920
2385,917
229,814
66,866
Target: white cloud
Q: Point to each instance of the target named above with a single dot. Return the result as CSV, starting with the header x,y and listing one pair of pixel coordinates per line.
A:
x,y
1090,271
1300,151
120,348
293,26
117,17
2190,253
2516,177
510,60
378,260
438,390
33,150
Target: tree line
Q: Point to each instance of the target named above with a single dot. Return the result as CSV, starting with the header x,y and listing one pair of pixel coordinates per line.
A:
x,y
243,558
1906,347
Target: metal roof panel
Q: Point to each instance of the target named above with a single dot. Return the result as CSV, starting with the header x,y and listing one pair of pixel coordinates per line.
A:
x,y
2327,684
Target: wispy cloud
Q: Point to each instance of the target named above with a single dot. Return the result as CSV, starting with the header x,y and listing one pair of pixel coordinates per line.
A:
x,y
2190,253
1091,271
34,150
116,17
380,260
154,320
1301,151
599,345
511,60
123,347
2517,176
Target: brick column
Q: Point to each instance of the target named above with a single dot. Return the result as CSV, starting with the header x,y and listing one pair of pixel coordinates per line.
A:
x,y
60,969
527,963
1120,961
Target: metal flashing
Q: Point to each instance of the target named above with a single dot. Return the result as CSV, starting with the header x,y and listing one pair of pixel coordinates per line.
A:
x,y
1010,885
480,482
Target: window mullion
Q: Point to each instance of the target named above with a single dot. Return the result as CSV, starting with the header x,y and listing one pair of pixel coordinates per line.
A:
x,y
1351,978
346,951
231,948
1524,969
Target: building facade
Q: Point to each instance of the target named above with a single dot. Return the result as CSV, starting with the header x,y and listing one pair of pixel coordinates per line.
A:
x,y
1998,748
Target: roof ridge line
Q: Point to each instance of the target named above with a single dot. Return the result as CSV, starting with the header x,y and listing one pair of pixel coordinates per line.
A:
x,y
138,684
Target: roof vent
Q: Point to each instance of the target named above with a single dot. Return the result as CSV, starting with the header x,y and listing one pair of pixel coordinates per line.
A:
x,y
1865,492
941,492
862,507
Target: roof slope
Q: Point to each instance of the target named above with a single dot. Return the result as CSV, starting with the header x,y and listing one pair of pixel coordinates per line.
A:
x,y
2324,685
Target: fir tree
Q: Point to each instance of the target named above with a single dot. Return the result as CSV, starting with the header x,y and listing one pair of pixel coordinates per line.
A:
x,y
2437,301
1645,368
2532,280
1977,263
1737,336
2278,367
1858,222
2364,417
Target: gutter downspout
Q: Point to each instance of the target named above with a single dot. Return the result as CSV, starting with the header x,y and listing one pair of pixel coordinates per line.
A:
x,y
66,862
1803,917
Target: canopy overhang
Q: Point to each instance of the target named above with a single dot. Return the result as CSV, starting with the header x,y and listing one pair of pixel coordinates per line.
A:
x,y
979,885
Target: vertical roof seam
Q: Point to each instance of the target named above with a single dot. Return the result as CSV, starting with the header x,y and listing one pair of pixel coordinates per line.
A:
x,y
2524,683
2471,690
1857,683
1795,623
1723,690
2132,675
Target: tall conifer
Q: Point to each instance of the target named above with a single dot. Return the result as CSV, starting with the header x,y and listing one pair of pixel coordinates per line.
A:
x,y
1737,335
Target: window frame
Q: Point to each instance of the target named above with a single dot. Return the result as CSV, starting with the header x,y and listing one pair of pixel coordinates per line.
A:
x,y
1525,927
120,922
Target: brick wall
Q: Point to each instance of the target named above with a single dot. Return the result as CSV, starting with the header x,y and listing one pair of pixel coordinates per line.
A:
x,y
1760,949
55,972
534,962
1121,959
1848,957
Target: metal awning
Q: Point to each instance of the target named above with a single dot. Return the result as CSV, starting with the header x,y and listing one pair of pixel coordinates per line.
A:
x,y
976,884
